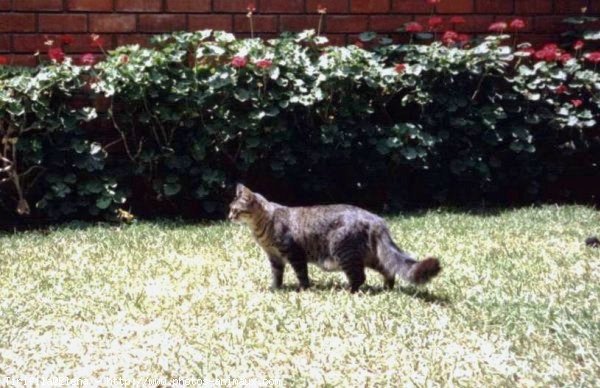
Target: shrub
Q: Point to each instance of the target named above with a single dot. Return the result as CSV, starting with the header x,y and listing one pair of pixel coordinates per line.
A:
x,y
393,125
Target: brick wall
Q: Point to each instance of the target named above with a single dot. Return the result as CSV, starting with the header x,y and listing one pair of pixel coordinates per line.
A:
x,y
26,24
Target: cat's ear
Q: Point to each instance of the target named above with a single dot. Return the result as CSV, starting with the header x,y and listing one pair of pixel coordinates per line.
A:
x,y
241,190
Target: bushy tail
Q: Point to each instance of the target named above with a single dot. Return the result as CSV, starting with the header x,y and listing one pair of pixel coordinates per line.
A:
x,y
395,261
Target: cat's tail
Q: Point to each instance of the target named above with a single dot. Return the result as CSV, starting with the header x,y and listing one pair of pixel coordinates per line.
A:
x,y
395,261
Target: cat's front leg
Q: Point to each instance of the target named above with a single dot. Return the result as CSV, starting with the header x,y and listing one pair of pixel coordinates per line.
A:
x,y
277,270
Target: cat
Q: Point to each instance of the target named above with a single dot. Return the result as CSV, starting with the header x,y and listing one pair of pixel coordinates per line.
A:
x,y
334,237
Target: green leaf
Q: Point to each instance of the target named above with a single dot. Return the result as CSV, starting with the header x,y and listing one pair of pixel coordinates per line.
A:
x,y
171,189
103,202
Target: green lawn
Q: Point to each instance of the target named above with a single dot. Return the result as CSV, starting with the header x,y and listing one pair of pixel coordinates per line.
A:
x,y
516,303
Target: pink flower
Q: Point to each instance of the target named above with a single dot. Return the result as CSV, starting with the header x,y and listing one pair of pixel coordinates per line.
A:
x,y
413,27
3,60
577,103
321,9
400,68
56,54
497,27
449,37
564,58
67,40
97,41
435,21
359,44
593,57
457,20
578,45
239,61
251,7
88,59
561,89
463,38
124,59
264,63
517,24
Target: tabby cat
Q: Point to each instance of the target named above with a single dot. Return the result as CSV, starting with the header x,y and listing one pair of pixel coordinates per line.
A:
x,y
335,237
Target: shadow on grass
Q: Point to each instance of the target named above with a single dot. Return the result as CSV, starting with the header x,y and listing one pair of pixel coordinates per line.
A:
x,y
369,290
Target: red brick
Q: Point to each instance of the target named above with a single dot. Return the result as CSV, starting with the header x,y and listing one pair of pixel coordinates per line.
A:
x,y
188,5
369,6
138,5
90,5
231,5
387,23
162,23
333,6
533,6
62,22
337,39
112,23
298,22
213,22
4,43
494,6
127,39
262,23
537,40
30,43
549,23
5,5
24,60
411,6
569,6
456,6
281,6
38,5
18,22
346,24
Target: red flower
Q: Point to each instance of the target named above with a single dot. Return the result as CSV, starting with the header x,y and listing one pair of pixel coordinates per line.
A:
x,y
67,40
88,59
3,60
359,44
264,63
593,57
565,58
435,21
561,89
321,9
400,67
578,45
251,8
97,41
498,27
449,37
517,24
56,54
457,20
239,61
549,53
413,27
577,103
463,38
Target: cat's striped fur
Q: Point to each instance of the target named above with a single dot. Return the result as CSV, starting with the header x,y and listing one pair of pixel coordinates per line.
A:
x,y
335,237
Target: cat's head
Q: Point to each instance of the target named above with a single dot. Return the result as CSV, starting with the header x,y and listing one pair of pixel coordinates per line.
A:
x,y
245,206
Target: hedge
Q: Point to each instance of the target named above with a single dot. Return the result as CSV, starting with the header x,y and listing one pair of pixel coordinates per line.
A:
x,y
169,129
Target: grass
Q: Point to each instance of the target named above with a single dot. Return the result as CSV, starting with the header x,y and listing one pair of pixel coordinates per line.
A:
x,y
516,304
